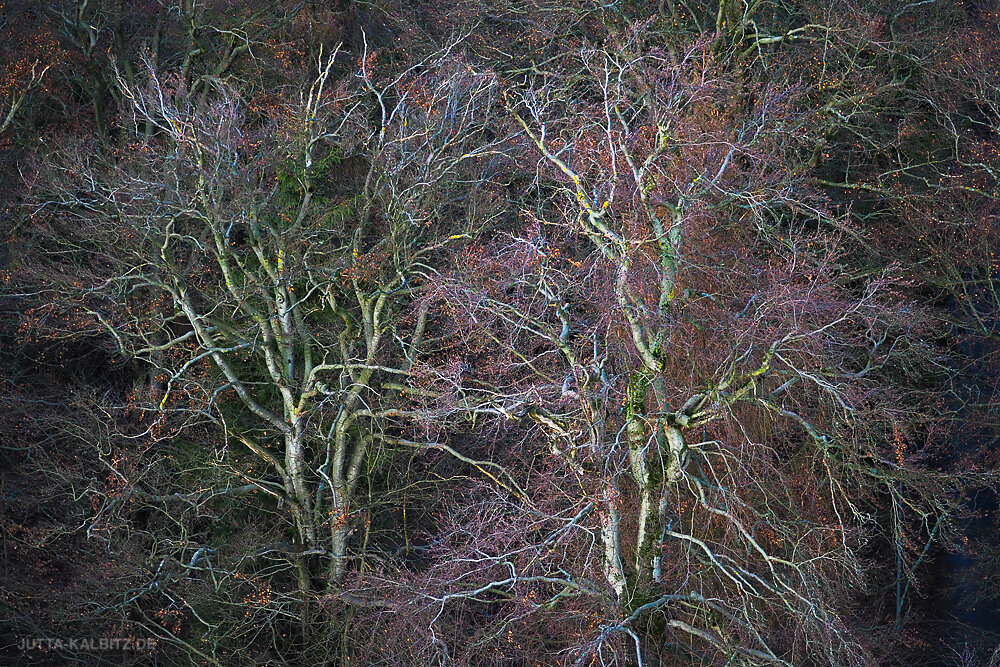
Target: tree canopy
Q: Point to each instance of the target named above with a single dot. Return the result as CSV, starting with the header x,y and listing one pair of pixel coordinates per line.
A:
x,y
548,332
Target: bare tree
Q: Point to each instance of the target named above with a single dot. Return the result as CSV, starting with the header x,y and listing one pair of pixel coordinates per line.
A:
x,y
729,388
265,266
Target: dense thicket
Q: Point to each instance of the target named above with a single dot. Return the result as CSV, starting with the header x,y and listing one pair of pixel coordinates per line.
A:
x,y
549,332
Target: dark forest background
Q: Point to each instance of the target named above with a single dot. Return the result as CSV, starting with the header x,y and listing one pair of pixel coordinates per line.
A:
x,y
500,333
